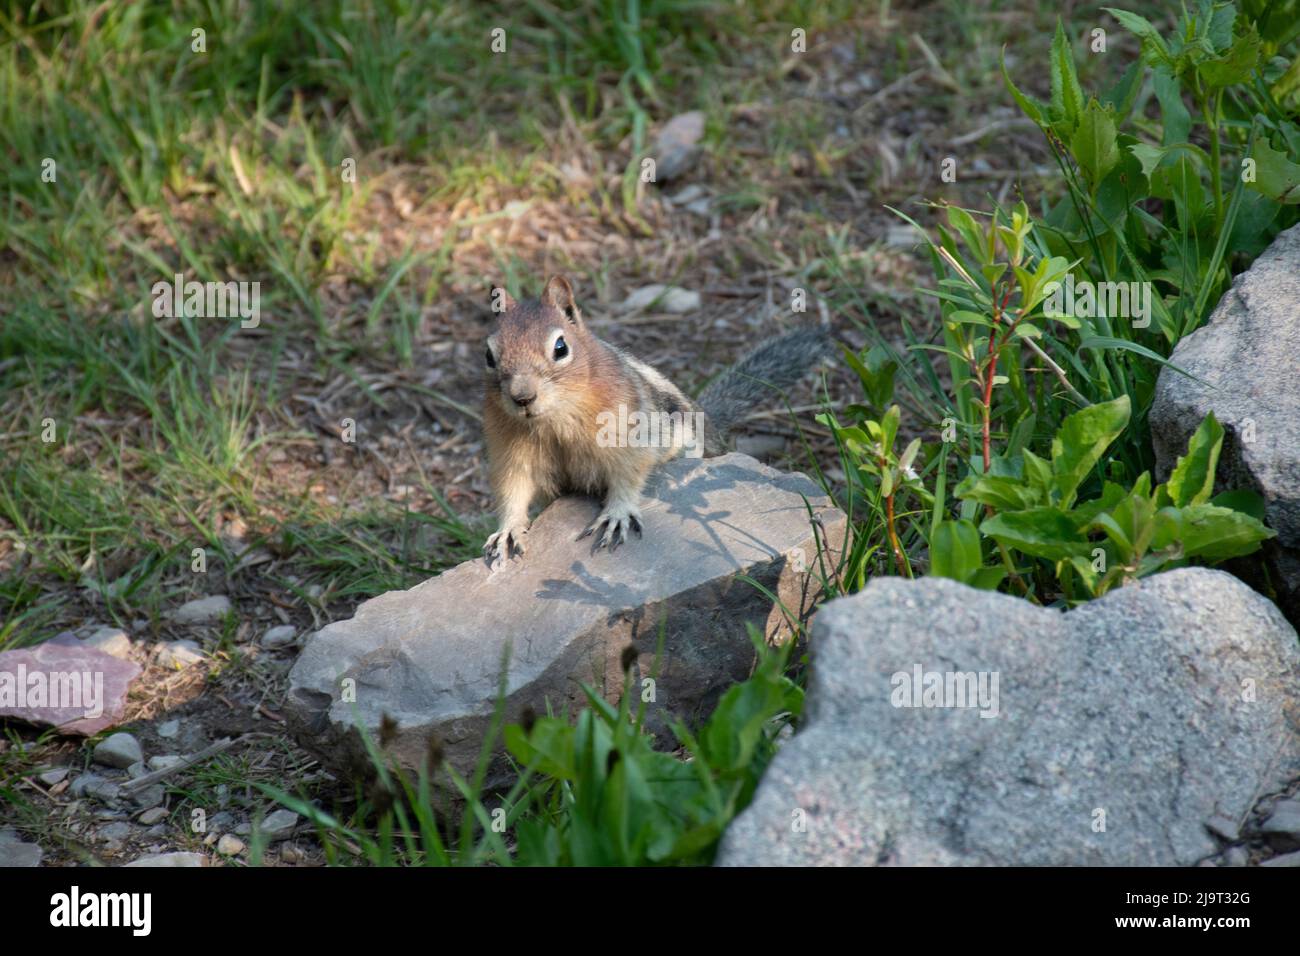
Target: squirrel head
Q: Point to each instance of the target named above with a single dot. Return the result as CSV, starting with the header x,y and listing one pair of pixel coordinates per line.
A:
x,y
537,351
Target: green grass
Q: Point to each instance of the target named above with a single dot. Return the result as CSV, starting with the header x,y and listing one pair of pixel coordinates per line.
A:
x,y
228,163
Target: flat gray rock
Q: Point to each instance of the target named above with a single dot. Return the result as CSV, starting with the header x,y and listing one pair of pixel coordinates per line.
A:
x,y
14,854
1247,356
1149,711
431,657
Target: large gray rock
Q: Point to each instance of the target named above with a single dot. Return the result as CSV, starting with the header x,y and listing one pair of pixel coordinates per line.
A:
x,y
1247,356
431,657
1161,705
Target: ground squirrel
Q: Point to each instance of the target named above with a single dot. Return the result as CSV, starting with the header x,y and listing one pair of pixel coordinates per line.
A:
x,y
565,412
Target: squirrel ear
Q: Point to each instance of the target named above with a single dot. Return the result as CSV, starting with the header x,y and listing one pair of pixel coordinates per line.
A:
x,y
502,301
559,293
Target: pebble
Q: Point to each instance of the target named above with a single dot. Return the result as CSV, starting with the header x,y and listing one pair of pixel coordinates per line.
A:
x,y
666,298
677,145
15,854
279,636
164,761
1284,820
96,787
291,854
115,832
118,750
168,729
1222,827
51,777
136,770
230,845
279,825
151,816
1236,856
180,654
150,796
202,610
692,193
112,641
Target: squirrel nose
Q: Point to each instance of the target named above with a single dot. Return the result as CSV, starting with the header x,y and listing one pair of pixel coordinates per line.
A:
x,y
522,394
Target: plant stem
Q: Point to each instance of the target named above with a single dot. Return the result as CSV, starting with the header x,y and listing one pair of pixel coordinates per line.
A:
x,y
903,569
1216,180
1058,372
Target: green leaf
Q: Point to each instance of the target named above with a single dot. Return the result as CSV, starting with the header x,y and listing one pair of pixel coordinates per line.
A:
x,y
1153,45
1235,66
1081,440
875,371
1093,143
1275,176
1243,500
1192,480
955,550
1209,532
966,317
971,234
1130,524
1111,495
987,579
1123,94
1067,95
1038,474
1108,342
1000,494
1173,111
1028,105
1042,532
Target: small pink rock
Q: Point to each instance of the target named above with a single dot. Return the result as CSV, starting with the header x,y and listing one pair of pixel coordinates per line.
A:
x,y
65,684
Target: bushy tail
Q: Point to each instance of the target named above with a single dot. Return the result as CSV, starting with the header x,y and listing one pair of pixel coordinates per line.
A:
x,y
754,379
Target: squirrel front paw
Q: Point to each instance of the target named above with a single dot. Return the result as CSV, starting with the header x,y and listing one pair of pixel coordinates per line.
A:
x,y
509,538
617,520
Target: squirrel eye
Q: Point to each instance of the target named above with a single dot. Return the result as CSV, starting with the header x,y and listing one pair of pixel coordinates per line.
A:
x,y
561,348
491,362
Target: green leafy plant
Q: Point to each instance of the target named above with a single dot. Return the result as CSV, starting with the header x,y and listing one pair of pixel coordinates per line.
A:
x,y
1216,59
607,797
881,476
1046,399
1123,534
592,791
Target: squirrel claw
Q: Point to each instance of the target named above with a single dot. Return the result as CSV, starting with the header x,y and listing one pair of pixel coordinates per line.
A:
x,y
497,549
617,524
